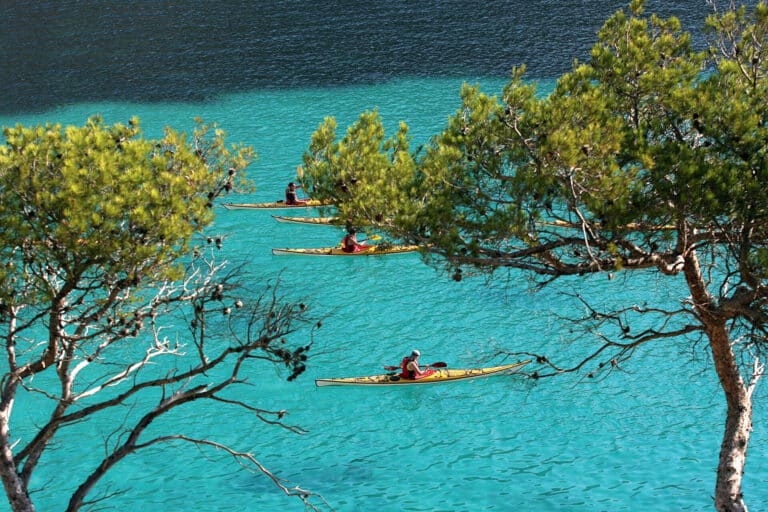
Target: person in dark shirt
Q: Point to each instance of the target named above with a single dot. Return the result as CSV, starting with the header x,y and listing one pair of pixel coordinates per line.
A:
x,y
291,197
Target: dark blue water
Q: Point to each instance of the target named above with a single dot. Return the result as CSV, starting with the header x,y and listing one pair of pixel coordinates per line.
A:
x,y
65,51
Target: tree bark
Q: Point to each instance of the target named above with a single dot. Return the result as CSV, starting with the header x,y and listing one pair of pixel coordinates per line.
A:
x,y
738,425
14,486
738,421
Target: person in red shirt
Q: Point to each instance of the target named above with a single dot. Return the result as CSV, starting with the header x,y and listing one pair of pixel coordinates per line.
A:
x,y
350,244
409,367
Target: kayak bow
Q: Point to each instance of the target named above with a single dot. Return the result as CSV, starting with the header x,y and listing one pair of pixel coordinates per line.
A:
x,y
437,376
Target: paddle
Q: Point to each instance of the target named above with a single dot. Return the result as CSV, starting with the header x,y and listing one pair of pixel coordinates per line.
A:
x,y
374,237
300,175
438,364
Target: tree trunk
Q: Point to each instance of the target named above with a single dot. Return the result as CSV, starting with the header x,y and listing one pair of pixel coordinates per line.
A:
x,y
12,482
738,424
738,420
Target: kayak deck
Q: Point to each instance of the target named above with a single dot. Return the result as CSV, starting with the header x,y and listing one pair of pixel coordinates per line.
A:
x,y
371,250
439,375
275,205
315,221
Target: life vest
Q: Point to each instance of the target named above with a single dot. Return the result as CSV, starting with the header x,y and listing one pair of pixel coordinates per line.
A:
x,y
405,373
290,196
347,245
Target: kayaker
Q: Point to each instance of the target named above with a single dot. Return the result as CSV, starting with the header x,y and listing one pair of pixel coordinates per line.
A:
x,y
409,367
291,197
350,244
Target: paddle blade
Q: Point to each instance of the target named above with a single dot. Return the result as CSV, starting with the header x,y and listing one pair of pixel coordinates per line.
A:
x,y
299,171
391,368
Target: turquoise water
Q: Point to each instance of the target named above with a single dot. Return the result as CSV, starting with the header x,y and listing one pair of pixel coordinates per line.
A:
x,y
644,439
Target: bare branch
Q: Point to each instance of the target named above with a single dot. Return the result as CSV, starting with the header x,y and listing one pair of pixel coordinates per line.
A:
x,y
263,414
246,460
615,346
758,370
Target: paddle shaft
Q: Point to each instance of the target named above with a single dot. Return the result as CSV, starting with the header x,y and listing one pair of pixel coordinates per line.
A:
x,y
438,364
300,175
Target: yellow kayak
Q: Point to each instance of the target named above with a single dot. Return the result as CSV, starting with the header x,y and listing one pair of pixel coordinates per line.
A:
x,y
437,376
275,205
371,250
316,221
